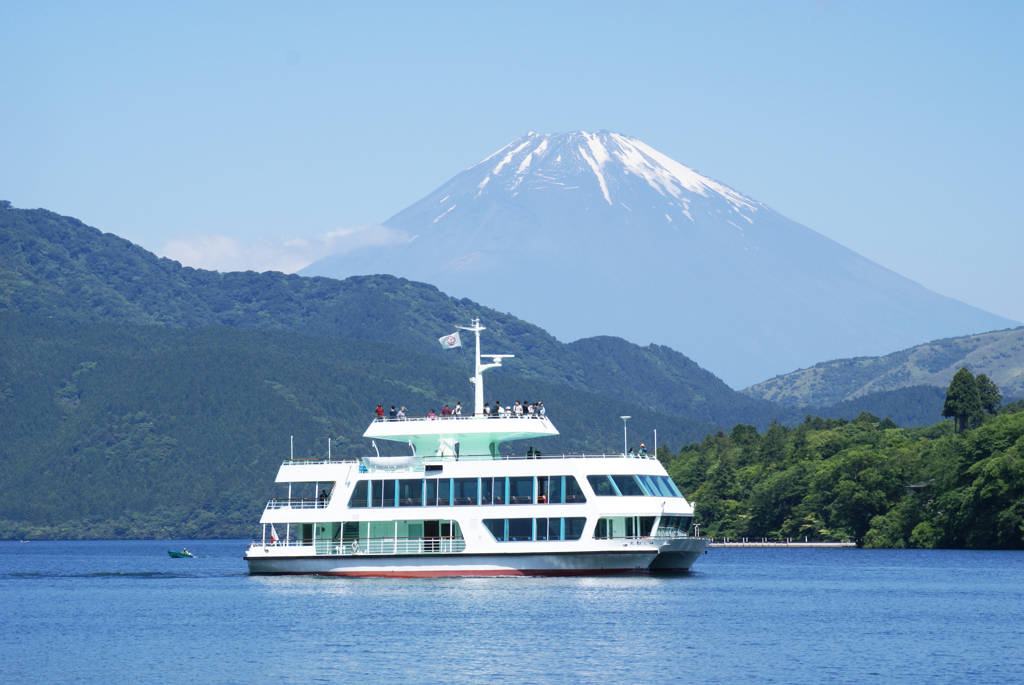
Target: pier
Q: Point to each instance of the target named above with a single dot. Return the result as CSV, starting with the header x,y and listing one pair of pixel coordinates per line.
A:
x,y
788,543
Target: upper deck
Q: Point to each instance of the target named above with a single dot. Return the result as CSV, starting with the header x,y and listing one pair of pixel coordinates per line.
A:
x,y
476,436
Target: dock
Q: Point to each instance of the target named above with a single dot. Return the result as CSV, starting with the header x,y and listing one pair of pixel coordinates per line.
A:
x,y
761,543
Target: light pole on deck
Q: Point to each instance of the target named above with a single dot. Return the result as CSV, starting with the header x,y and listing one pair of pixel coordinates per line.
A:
x,y
625,435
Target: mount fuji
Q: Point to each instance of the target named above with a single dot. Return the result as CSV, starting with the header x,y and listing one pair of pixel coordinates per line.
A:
x,y
599,234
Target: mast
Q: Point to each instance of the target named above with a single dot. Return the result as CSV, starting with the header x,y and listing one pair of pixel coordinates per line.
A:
x,y
477,380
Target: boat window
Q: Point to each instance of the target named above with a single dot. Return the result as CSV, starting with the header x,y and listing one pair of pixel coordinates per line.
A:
x,y
674,526
389,493
656,487
520,490
633,486
602,486
628,486
624,526
497,528
671,485
552,489
358,498
542,528
444,492
574,527
410,493
466,491
486,490
573,491
520,530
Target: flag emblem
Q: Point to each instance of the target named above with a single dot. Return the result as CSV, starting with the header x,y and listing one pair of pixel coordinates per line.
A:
x,y
450,341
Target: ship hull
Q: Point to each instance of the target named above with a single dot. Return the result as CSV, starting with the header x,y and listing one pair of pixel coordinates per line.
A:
x,y
456,565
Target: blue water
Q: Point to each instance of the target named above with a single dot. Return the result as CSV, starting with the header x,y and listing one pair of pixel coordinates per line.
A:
x,y
119,612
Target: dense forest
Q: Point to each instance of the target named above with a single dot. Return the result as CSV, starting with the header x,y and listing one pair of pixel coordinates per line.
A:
x,y
865,480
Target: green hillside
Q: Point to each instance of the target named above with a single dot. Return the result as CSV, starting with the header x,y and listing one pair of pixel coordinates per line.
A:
x,y
999,355
866,481
145,431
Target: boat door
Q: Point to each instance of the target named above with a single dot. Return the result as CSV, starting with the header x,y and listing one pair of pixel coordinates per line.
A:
x,y
431,536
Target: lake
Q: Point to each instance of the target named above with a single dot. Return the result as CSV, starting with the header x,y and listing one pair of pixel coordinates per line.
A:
x,y
123,611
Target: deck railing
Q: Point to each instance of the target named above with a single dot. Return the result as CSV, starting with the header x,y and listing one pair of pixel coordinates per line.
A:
x,y
298,503
373,545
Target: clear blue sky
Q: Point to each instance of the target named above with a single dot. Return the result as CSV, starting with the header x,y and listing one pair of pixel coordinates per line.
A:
x,y
247,131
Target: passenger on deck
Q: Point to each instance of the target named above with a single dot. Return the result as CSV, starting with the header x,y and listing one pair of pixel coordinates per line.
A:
x,y
401,414
431,415
487,410
446,412
393,414
643,450
458,409
380,411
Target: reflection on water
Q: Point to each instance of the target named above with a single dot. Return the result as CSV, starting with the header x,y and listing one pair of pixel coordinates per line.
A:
x,y
125,611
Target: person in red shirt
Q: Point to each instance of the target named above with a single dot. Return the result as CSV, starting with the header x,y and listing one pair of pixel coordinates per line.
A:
x,y
446,411
380,412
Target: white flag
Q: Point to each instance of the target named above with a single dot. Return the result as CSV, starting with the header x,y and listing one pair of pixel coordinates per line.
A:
x,y
274,537
450,341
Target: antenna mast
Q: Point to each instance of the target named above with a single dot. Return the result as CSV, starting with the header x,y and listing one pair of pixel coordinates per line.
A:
x,y
477,380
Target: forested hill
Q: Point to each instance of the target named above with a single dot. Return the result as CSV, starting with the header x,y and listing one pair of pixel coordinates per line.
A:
x,y
866,481
53,265
146,431
999,355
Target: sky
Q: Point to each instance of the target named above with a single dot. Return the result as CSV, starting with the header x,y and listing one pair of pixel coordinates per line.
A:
x,y
262,136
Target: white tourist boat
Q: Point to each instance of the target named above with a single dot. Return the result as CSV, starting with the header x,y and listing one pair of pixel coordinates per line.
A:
x,y
457,506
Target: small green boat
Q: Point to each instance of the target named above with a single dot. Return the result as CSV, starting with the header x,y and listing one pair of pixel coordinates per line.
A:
x,y
180,555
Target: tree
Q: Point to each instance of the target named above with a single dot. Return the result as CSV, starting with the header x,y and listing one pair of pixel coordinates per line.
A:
x,y
963,400
989,392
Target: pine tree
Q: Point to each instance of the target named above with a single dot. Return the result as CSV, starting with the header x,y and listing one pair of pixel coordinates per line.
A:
x,y
963,400
989,392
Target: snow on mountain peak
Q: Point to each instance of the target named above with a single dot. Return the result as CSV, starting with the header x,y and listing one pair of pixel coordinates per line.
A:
x,y
607,156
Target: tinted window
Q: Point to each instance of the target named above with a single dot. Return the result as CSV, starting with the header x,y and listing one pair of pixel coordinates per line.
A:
x,y
573,491
520,490
465,490
574,527
542,528
496,527
520,530
410,493
671,485
602,487
499,491
554,489
444,491
358,498
389,493
628,486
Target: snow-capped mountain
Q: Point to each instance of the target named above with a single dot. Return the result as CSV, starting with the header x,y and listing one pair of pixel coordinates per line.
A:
x,y
599,234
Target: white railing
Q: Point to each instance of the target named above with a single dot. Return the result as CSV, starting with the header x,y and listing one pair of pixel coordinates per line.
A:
x,y
391,546
315,462
464,417
372,546
298,503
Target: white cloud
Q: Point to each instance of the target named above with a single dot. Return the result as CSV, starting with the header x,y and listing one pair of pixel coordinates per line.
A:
x,y
272,253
